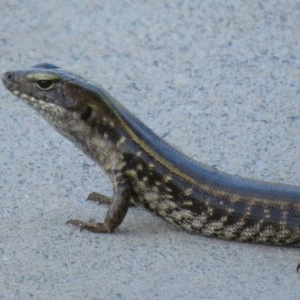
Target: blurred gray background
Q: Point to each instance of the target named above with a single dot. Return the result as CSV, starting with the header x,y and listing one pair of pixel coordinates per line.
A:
x,y
217,79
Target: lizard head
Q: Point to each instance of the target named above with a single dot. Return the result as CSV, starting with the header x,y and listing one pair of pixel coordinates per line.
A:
x,y
44,86
58,95
68,102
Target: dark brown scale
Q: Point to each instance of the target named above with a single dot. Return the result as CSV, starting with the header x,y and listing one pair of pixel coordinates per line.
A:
x,y
112,133
233,219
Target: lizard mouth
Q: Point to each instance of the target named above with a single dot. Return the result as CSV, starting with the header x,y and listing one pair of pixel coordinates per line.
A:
x,y
4,79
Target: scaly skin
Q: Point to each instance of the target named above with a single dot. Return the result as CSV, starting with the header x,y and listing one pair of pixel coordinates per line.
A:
x,y
147,171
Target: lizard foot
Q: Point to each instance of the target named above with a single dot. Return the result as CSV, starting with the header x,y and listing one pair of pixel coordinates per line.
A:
x,y
90,226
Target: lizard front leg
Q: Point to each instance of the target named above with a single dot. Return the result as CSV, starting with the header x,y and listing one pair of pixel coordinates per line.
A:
x,y
116,212
100,199
103,199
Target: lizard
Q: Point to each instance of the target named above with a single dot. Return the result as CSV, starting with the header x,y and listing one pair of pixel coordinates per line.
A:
x,y
147,171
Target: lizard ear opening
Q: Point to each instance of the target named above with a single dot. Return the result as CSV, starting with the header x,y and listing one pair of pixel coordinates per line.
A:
x,y
86,114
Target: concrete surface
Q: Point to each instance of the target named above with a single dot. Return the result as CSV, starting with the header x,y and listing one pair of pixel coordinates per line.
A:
x,y
218,79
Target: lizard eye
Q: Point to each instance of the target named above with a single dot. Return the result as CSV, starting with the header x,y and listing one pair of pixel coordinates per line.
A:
x,y
45,84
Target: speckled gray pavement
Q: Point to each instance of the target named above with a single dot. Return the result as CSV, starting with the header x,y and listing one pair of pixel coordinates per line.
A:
x,y
219,81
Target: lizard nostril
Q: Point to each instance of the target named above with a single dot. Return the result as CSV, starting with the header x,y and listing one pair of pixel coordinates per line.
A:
x,y
8,76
